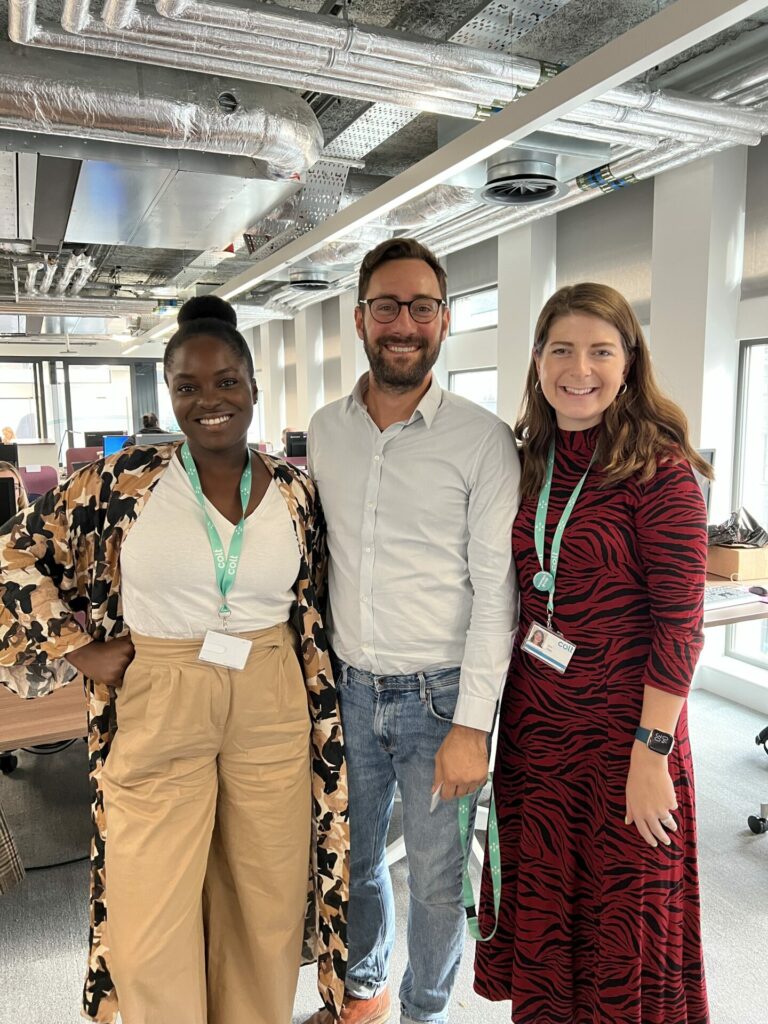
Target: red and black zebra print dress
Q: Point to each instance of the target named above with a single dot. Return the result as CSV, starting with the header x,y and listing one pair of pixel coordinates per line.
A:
x,y
597,927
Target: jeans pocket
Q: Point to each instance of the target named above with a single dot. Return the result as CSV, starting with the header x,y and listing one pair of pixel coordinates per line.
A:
x,y
441,700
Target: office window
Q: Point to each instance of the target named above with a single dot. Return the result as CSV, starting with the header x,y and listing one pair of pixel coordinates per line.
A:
x,y
475,310
748,641
477,385
18,400
165,414
100,396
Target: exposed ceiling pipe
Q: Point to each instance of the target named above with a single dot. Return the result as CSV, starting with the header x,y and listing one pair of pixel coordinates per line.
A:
x,y
493,80
51,266
191,54
16,282
264,49
85,272
267,123
33,269
51,305
338,37
66,275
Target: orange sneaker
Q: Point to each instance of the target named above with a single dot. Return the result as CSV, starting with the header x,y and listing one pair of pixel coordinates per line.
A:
x,y
358,1011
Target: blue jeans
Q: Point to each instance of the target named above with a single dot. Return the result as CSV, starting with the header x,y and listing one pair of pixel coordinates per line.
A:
x,y
393,727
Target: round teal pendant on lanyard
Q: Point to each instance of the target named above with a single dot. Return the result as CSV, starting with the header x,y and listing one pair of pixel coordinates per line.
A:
x,y
542,642
219,648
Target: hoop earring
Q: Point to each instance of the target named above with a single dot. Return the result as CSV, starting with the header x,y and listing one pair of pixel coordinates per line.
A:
x,y
537,386
622,389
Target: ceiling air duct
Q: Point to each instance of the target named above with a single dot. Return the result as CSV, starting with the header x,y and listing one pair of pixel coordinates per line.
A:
x,y
518,177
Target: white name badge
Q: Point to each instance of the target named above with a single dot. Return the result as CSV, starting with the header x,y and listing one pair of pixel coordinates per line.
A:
x,y
225,650
550,647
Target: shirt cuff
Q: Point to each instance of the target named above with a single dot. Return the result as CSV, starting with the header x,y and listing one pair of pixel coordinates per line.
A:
x,y
475,712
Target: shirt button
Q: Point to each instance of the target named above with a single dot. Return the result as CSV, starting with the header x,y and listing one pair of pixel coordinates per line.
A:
x,y
370,504
367,549
377,458
364,600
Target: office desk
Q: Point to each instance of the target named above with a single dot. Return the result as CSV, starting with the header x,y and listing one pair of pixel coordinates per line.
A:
x,y
738,613
62,715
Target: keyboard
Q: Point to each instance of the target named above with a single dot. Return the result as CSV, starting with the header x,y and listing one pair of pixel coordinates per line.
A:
x,y
727,595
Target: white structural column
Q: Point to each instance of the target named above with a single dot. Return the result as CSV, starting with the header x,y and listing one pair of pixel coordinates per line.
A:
x,y
526,280
353,360
273,380
308,328
698,246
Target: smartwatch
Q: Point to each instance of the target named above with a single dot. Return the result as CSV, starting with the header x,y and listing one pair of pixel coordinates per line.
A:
x,y
655,739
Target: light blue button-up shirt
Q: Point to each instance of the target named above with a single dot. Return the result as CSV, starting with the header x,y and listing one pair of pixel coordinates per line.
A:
x,y
419,532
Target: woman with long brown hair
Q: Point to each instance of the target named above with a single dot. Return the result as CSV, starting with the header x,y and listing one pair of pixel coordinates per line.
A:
x,y
599,916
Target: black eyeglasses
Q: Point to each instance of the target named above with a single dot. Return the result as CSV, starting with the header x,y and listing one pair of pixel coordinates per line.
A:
x,y
386,310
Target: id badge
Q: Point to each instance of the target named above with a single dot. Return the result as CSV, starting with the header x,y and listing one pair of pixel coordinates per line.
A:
x,y
550,647
225,650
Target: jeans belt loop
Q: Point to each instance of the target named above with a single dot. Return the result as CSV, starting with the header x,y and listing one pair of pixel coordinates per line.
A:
x,y
422,687
344,670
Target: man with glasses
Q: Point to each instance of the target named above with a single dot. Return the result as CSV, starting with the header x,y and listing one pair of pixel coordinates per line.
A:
x,y
419,489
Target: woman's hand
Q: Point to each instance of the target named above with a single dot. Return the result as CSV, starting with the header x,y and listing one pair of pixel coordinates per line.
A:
x,y
650,796
104,662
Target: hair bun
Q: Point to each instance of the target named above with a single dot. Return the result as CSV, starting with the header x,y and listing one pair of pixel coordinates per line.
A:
x,y
207,307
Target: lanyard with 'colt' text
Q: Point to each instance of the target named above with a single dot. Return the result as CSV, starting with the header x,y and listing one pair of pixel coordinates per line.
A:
x,y
544,580
224,565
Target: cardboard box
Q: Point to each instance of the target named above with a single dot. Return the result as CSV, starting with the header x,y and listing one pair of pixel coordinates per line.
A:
x,y
738,562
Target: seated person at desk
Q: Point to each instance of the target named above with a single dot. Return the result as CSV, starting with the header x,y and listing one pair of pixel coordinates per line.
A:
x,y
149,425
220,800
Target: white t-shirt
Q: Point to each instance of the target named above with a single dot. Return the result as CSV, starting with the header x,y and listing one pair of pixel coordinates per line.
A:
x,y
168,579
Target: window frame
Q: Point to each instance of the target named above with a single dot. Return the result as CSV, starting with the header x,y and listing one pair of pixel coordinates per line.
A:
x,y
452,332
39,398
475,369
745,346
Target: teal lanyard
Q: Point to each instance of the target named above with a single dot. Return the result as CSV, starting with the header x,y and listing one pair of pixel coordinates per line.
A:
x,y
545,580
224,565
494,853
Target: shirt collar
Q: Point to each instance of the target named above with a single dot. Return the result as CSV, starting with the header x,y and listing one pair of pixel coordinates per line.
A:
x,y
427,407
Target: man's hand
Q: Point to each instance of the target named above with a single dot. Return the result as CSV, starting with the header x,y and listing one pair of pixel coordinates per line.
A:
x,y
461,763
104,662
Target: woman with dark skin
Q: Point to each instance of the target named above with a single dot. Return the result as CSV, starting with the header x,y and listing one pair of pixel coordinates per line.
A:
x,y
202,378
197,566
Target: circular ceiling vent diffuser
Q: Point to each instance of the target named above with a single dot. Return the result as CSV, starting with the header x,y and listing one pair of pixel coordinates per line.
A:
x,y
309,281
521,181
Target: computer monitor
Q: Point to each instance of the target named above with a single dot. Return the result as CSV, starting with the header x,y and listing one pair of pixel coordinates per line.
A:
x,y
708,454
113,443
295,443
7,499
167,438
95,438
9,453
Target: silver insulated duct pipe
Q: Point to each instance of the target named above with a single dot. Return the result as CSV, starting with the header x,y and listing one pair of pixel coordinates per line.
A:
x,y
51,266
85,272
99,99
67,273
33,269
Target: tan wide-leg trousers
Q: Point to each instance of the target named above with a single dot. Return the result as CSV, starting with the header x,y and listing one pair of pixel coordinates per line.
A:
x,y
207,802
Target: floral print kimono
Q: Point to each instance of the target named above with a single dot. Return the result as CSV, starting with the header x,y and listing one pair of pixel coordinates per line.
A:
x,y
60,557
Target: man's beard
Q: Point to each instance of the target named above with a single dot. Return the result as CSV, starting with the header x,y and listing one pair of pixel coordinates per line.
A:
x,y
400,375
